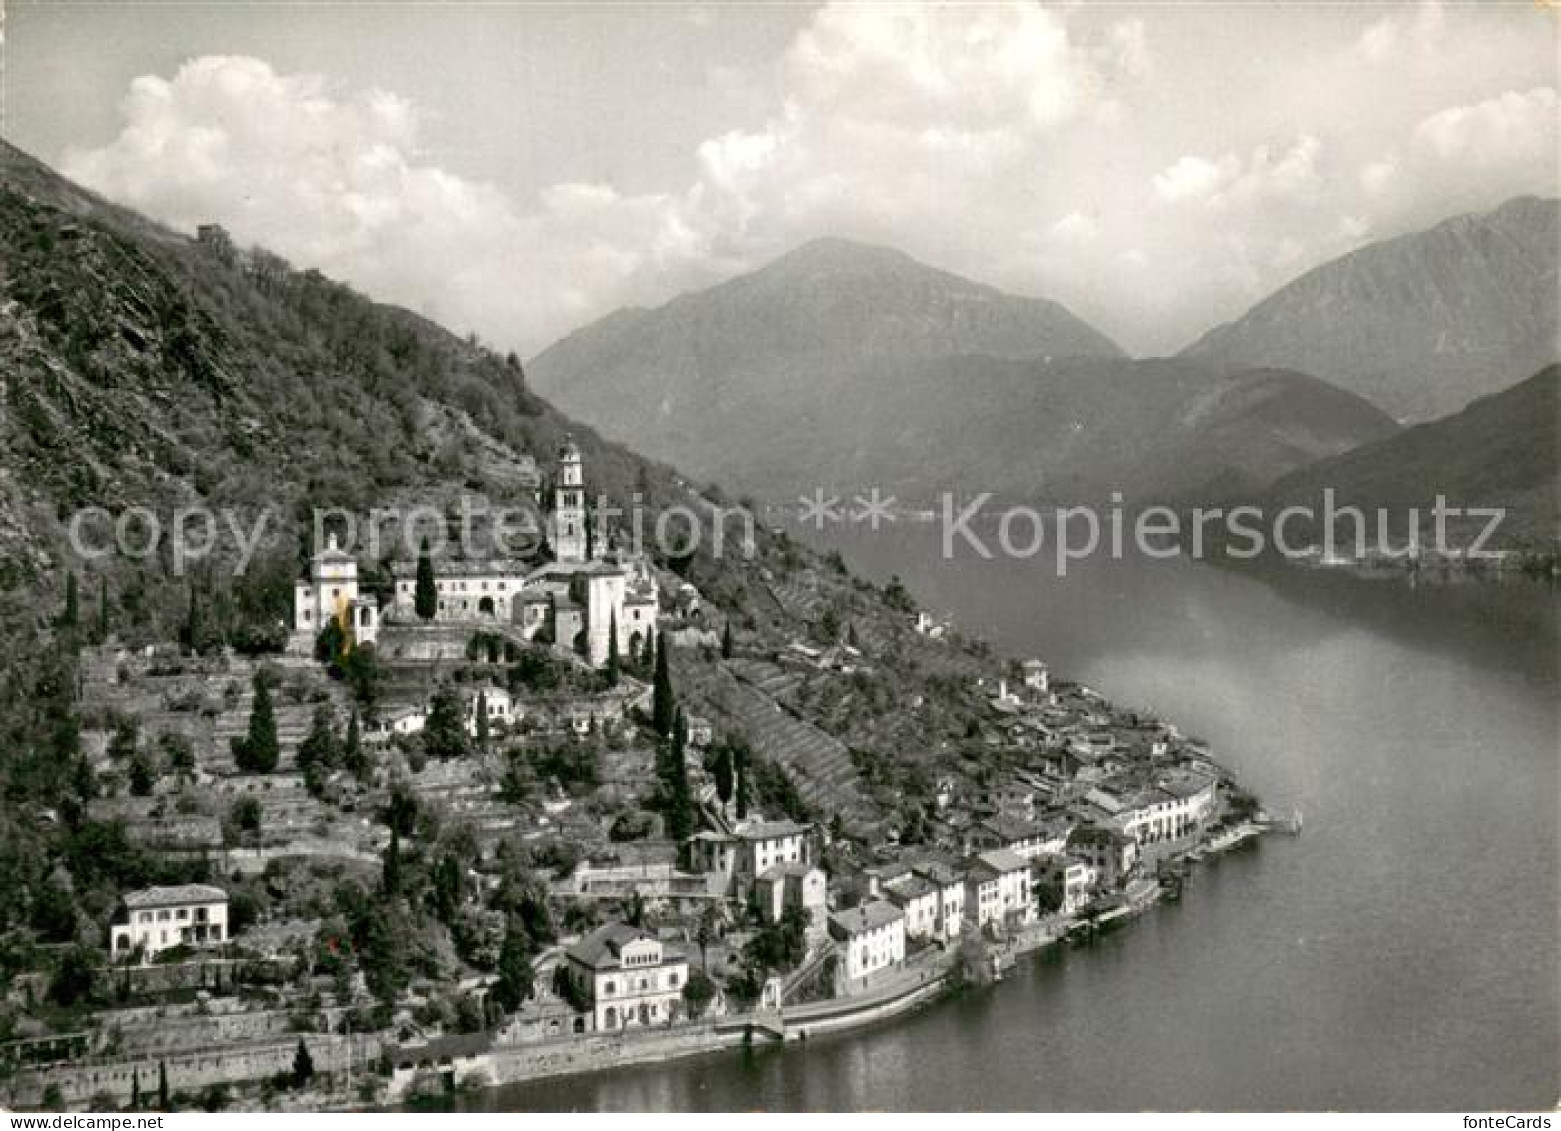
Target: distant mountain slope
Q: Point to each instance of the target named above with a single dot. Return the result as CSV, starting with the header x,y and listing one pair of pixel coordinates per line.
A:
x,y
843,365
1504,450
1422,324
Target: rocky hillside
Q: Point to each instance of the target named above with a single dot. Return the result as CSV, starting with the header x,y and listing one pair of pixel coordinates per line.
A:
x,y
1419,325
1504,450
846,366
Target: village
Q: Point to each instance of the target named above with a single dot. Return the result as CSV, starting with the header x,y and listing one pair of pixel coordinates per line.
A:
x,y
510,818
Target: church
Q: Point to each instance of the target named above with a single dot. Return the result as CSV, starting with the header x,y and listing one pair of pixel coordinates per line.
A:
x,y
574,600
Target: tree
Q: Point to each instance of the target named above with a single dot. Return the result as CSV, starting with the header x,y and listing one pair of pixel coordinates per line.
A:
x,y
648,652
726,641
679,797
482,720
724,772
613,659
303,1065
742,787
102,632
135,1089
444,735
698,992
178,753
162,1085
663,702
142,774
390,871
516,976
353,758
72,612
706,933
425,597
74,976
258,752
318,753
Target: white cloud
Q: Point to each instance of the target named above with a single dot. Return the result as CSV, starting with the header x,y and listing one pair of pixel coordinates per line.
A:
x,y
1518,127
1016,143
1195,178
1291,174
1075,228
1420,31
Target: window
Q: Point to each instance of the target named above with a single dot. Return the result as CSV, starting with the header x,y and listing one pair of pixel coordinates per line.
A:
x,y
183,914
672,981
162,916
610,988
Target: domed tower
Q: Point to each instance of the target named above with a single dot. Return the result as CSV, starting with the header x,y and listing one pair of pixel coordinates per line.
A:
x,y
569,505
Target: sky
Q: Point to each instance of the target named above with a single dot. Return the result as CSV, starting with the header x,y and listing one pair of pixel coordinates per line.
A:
x,y
518,170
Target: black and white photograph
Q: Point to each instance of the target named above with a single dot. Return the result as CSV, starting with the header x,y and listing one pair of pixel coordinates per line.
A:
x,y
678,558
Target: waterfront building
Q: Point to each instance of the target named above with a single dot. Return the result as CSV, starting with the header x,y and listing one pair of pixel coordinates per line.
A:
x,y
997,890
871,940
1111,854
156,919
628,977
917,897
950,885
1072,878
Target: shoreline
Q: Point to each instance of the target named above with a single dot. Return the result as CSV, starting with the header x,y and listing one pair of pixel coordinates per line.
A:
x,y
507,1066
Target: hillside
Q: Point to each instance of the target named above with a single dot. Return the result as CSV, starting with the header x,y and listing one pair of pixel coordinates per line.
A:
x,y
1504,450
1419,325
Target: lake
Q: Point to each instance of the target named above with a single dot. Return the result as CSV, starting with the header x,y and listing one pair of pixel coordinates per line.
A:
x,y
1401,954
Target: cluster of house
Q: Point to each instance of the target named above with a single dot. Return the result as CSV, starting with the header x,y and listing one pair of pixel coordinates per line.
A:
x,y
577,600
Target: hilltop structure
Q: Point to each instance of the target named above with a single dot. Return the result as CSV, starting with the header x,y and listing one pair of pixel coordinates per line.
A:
x,y
575,600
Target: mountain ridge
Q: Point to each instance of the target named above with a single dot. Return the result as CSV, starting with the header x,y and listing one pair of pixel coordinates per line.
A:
x,y
1420,323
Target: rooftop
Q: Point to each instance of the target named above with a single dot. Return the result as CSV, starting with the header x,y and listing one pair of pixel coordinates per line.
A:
x,y
175,896
600,950
868,917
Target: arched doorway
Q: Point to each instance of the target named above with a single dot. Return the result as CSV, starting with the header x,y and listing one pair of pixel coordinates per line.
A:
x,y
485,606
644,1014
611,1017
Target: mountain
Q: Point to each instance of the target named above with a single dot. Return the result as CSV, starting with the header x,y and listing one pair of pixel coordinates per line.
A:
x,y
1419,325
1503,450
842,365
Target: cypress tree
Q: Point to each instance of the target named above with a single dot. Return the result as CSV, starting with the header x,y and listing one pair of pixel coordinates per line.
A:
x,y
613,659
390,874
680,800
303,1065
663,701
516,975
352,758
482,720
425,598
72,612
726,641
162,1085
259,750
135,1089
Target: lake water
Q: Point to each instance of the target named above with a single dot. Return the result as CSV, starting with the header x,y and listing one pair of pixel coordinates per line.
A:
x,y
1401,954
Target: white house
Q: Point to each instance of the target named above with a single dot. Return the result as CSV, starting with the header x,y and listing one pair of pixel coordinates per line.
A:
x,y
997,890
1072,878
754,848
917,897
156,919
871,940
792,885
951,898
331,593
495,702
628,977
